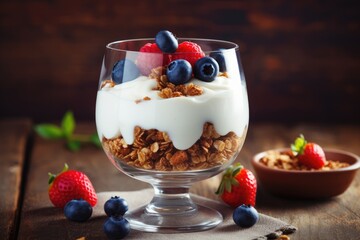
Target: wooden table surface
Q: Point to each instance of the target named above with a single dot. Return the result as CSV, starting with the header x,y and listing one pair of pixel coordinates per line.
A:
x,y
26,159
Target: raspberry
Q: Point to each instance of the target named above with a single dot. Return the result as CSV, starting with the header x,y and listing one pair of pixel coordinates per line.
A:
x,y
189,51
146,61
150,47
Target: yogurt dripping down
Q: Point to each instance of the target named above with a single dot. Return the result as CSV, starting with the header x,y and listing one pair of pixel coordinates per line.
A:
x,y
223,103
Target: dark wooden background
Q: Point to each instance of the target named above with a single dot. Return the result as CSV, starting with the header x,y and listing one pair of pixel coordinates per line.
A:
x,y
301,58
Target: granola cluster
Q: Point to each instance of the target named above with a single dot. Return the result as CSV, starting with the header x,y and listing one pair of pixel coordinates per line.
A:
x,y
288,161
153,150
169,90
166,89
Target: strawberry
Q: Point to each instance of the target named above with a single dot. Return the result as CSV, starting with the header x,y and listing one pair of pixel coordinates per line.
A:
x,y
150,57
69,185
189,51
309,154
238,186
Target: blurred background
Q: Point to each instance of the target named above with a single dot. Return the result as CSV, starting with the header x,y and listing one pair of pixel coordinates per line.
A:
x,y
300,58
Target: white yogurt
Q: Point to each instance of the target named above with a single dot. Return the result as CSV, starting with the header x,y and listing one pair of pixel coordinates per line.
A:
x,y
223,103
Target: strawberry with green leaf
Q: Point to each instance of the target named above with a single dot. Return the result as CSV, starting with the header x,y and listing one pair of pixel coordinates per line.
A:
x,y
69,185
238,186
309,154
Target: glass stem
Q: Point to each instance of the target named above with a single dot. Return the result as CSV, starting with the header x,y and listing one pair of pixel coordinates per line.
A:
x,y
171,201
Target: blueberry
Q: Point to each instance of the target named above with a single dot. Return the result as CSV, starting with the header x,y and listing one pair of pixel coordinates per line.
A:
x,y
78,210
166,41
245,216
179,71
220,59
116,227
115,206
206,69
124,70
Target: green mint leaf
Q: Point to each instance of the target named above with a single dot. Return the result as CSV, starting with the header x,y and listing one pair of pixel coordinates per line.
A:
x,y
66,131
68,124
73,145
94,138
49,131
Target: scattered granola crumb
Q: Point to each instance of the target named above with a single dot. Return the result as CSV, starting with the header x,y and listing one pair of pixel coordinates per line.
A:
x,y
283,237
224,74
107,83
137,101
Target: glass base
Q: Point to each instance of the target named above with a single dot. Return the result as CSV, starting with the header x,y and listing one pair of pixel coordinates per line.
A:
x,y
171,210
200,219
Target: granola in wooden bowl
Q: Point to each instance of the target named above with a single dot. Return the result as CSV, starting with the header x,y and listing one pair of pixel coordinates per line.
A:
x,y
282,173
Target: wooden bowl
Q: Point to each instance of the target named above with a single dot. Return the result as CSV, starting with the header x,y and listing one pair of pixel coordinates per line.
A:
x,y
314,184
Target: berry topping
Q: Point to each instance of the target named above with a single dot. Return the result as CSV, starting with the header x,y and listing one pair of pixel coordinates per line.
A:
x,y
115,206
78,210
69,185
206,69
166,41
309,154
179,72
245,216
220,59
150,57
116,227
124,70
238,186
189,51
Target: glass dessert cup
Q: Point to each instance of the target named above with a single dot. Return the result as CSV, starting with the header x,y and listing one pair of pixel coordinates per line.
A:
x,y
170,138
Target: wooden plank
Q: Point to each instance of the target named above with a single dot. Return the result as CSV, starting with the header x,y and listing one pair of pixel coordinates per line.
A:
x,y
14,135
335,218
